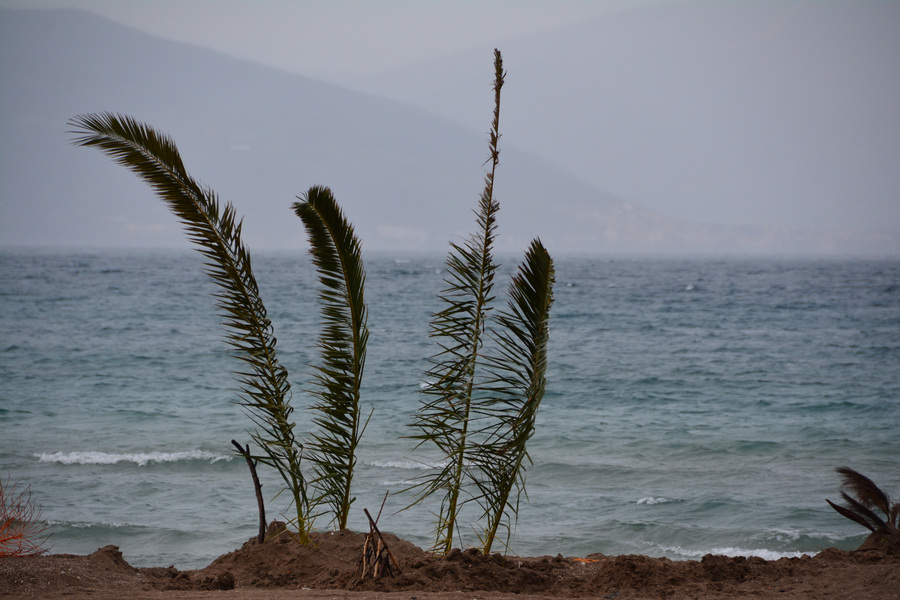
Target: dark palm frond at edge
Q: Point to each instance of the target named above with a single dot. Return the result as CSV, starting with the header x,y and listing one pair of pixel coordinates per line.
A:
x,y
868,498
265,391
338,259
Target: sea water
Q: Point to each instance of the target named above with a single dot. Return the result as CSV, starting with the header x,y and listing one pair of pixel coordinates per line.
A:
x,y
694,405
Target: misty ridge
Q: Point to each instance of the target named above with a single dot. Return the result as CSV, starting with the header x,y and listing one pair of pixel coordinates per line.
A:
x,y
406,177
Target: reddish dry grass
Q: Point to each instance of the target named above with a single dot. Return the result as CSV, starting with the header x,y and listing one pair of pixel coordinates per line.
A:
x,y
22,533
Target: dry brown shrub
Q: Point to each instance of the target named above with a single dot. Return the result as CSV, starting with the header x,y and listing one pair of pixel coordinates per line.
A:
x,y
22,532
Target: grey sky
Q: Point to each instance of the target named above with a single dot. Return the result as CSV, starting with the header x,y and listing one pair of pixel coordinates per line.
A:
x,y
775,113
336,40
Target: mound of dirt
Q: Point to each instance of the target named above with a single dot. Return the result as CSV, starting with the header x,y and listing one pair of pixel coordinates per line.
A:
x,y
37,576
282,569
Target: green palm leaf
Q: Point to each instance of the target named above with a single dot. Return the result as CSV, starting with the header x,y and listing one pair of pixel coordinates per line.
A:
x,y
518,366
264,389
444,419
338,259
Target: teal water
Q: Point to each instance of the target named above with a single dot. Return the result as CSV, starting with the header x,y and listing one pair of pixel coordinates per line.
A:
x,y
694,405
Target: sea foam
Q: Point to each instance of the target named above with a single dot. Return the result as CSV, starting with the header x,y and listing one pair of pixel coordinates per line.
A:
x,y
652,500
139,458
404,464
733,552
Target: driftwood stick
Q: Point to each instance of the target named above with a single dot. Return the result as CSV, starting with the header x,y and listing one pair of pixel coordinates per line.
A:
x,y
382,540
382,506
257,486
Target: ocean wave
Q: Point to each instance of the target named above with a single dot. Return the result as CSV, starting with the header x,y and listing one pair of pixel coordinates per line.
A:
x,y
85,524
793,535
413,465
733,552
652,500
140,458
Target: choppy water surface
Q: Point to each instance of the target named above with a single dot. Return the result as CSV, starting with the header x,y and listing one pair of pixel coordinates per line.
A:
x,y
694,406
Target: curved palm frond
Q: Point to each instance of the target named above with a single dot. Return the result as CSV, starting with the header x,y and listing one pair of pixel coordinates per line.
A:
x,y
868,498
866,518
518,367
338,259
444,418
865,490
265,391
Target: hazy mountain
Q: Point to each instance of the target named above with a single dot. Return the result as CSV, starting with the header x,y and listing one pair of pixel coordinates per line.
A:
x,y
769,112
408,179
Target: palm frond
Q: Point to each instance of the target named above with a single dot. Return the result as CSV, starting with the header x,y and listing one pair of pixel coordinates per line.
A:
x,y
264,389
846,512
865,490
444,418
518,367
868,498
338,259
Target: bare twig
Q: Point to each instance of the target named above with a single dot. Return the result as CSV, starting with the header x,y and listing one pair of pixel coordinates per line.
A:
x,y
376,558
257,486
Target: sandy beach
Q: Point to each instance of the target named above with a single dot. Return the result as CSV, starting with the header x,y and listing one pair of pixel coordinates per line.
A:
x,y
283,570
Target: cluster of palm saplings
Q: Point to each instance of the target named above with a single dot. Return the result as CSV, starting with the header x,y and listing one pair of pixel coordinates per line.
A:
x,y
486,379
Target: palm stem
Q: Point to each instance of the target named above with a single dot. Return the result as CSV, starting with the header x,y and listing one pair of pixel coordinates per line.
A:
x,y
484,284
445,420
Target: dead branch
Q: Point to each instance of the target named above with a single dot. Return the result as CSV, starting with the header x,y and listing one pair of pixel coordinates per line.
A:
x,y
376,558
257,486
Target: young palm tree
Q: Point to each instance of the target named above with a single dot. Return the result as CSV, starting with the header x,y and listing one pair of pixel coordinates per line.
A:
x,y
479,411
338,259
868,498
264,389
444,418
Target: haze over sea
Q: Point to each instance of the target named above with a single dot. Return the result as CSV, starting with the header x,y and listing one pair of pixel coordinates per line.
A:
x,y
694,405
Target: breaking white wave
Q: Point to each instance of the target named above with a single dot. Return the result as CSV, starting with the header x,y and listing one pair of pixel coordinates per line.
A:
x,y
405,464
793,535
85,524
403,482
652,500
733,552
140,458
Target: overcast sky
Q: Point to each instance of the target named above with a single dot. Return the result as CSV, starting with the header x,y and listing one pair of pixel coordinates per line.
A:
x,y
324,38
788,116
